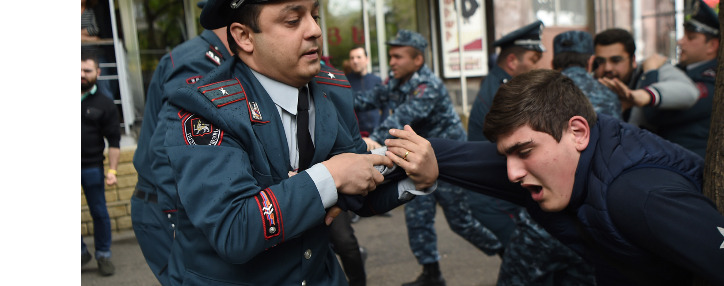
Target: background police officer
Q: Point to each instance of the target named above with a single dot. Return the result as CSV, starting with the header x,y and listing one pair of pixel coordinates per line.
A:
x,y
184,65
698,58
419,98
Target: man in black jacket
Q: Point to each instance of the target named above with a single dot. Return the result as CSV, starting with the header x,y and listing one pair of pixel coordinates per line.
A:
x,y
99,119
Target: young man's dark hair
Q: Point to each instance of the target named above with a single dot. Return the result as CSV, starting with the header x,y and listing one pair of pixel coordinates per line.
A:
x,y
514,105
616,35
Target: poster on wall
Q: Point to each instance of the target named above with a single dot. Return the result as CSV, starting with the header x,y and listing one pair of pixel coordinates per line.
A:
x,y
472,37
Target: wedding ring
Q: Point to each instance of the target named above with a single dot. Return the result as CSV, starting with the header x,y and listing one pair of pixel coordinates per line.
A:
x,y
405,157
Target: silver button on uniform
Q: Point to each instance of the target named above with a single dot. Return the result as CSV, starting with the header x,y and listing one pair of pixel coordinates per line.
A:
x,y
308,254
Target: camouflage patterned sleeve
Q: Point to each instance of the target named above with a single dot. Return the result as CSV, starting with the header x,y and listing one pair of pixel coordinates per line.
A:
x,y
370,99
417,107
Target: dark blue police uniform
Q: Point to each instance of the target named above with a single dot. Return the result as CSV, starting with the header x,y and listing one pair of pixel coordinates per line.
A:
x,y
527,37
184,65
690,127
241,218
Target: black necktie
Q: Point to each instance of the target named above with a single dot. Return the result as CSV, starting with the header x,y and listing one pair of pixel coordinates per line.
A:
x,y
304,139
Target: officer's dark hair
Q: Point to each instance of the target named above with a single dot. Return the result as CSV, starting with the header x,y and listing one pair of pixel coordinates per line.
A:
x,y
247,15
570,59
543,99
507,50
614,36
359,47
89,55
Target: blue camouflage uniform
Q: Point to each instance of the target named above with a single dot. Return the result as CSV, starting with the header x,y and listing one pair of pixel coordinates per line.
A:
x,y
184,65
423,103
574,43
603,99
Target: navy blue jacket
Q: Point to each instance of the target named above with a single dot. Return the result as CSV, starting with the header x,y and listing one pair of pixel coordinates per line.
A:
x,y
636,205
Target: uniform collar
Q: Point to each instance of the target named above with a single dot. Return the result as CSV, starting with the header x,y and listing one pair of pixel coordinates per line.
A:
x,y
214,41
283,95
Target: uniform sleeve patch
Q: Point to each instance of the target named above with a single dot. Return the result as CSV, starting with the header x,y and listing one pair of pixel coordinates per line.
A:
x,y
703,91
198,131
419,91
271,216
224,92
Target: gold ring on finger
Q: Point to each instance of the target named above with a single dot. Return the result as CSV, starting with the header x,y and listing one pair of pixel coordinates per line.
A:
x,y
405,157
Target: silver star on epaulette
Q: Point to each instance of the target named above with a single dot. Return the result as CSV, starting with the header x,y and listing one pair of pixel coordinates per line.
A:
x,y
330,75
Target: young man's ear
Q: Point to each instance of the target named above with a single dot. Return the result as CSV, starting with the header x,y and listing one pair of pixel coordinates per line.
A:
x,y
581,132
243,37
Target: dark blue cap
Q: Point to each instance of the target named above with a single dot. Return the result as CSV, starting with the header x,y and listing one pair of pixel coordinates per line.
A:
x,y
409,38
215,13
702,19
573,41
201,4
527,37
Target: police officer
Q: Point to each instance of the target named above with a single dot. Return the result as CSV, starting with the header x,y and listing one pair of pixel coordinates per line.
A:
x,y
520,52
184,65
259,155
698,58
573,57
420,99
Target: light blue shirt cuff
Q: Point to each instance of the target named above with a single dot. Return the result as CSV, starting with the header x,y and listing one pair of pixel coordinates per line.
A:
x,y
406,190
322,178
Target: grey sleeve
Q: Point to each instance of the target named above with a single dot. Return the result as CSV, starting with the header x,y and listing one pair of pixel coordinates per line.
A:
x,y
675,88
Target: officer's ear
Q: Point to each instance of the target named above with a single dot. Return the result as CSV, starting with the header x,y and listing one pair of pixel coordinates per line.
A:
x,y
243,36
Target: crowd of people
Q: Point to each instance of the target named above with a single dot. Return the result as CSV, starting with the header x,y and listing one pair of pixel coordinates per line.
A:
x,y
254,151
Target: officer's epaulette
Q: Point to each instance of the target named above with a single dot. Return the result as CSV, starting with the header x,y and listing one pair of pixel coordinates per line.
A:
x,y
224,92
331,76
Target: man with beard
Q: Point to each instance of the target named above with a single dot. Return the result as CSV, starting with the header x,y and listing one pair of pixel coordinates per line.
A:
x,y
644,89
99,120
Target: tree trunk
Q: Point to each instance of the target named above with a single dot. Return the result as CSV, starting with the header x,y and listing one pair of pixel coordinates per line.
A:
x,y
714,164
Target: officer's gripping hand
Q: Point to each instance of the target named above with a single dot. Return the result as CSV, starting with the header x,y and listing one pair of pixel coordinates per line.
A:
x,y
414,154
355,174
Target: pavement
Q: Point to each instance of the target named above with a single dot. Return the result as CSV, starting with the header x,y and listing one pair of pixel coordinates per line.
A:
x,y
389,262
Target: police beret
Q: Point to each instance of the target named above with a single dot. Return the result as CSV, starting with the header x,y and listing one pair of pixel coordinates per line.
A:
x,y
703,19
573,41
215,13
409,38
527,37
